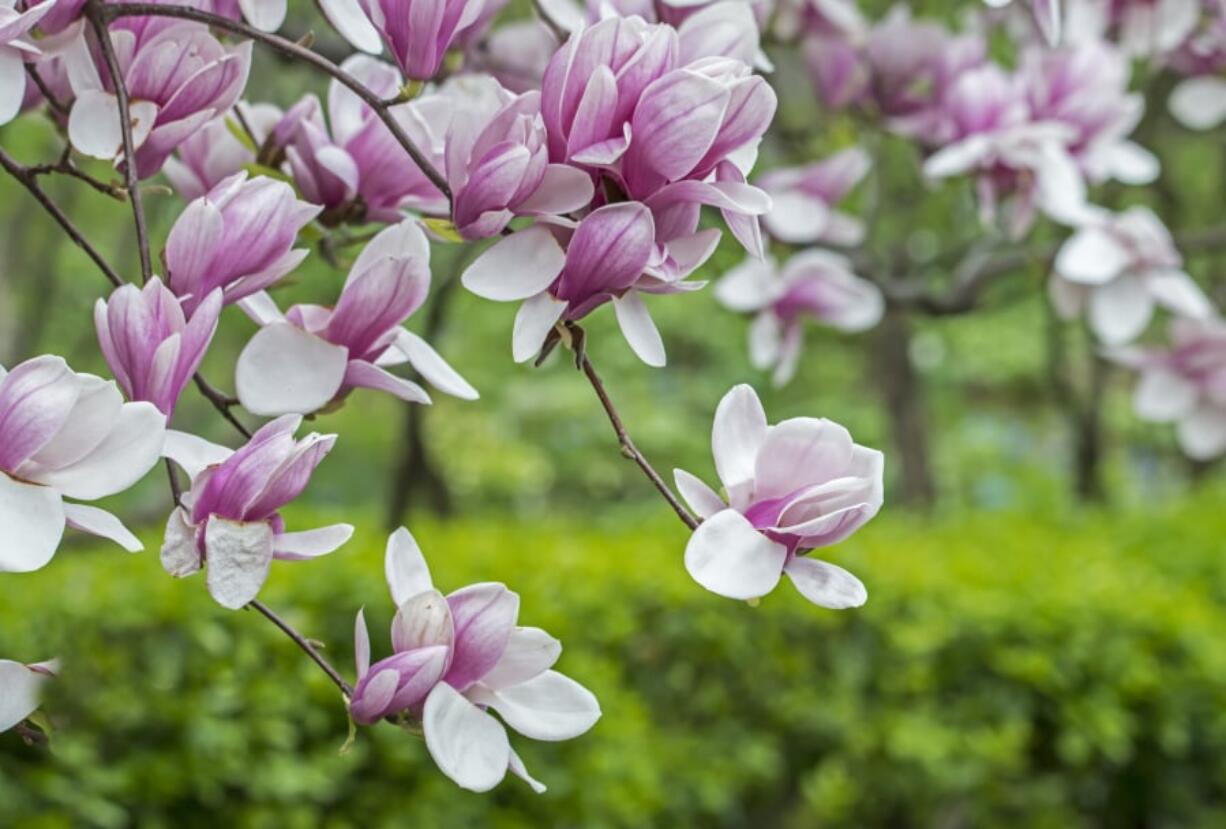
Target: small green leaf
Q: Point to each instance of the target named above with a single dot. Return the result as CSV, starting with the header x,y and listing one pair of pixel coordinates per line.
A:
x,y
443,229
236,129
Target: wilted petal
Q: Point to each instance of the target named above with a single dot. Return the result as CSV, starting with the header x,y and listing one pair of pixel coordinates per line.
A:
x,y
726,555
239,557
179,554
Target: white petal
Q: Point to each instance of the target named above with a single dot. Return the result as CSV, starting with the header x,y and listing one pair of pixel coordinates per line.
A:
x,y
192,453
530,652
33,520
1178,293
517,267
19,692
347,17
1202,435
430,365
1092,256
535,317
797,218
12,83
101,523
550,706
286,370
703,500
311,543
1163,396
261,308
405,567
1130,163
265,15
563,189
736,435
179,555
728,556
469,745
239,554
93,124
825,584
1199,103
750,286
124,456
1120,310
518,769
639,329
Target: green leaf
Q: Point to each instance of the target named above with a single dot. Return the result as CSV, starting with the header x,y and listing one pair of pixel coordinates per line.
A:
x,y
236,129
443,229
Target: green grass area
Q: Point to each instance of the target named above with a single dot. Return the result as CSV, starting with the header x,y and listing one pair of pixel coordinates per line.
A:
x,y
1009,670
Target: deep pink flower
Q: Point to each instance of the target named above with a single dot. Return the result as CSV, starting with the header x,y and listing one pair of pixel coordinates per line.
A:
x,y
229,519
310,356
458,657
418,33
147,340
800,484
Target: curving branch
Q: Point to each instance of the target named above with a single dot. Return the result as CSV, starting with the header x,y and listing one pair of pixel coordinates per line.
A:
x,y
382,108
304,643
98,20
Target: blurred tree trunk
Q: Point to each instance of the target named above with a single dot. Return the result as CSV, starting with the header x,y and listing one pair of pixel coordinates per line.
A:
x,y
1082,410
416,476
903,395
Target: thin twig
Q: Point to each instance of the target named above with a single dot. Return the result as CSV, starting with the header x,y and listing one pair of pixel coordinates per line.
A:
x,y
627,444
382,110
222,403
31,735
56,104
98,20
65,166
302,642
557,29
29,181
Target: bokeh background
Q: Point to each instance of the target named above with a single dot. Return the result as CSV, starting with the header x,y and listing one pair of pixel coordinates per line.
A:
x,y
1043,644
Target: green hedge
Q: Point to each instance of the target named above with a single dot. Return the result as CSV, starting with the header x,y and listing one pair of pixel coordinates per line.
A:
x,y
1007,671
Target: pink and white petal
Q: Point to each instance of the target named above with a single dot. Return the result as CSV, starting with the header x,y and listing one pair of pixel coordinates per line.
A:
x,y
20,689
265,15
103,524
33,521
518,769
1178,293
351,23
801,452
533,320
88,422
1092,256
405,567
750,286
311,543
530,652
467,744
376,696
737,434
283,369
727,556
369,376
431,365
639,329
550,706
703,500
132,448
239,557
957,158
424,621
1202,434
516,267
192,453
562,190
361,644
484,616
1162,396
12,83
179,554
797,218
261,308
1120,310
825,584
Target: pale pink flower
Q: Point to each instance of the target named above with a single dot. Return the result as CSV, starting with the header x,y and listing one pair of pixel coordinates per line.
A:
x,y
21,689
803,200
14,51
214,153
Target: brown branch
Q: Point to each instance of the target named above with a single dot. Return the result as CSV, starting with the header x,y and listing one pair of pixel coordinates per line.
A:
x,y
31,735
381,108
556,29
222,403
626,443
66,166
54,102
98,20
302,642
30,181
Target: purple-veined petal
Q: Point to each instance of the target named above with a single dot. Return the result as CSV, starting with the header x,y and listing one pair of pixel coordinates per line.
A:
x,y
563,189
727,556
484,616
423,621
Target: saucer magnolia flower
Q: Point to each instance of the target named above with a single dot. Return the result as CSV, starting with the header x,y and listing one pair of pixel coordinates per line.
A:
x,y
357,169
988,132
814,284
302,360
418,33
1199,101
20,689
610,256
66,435
147,340
498,167
791,487
229,520
14,25
1117,269
171,96
239,237
457,658
213,153
1047,16
803,200
1184,384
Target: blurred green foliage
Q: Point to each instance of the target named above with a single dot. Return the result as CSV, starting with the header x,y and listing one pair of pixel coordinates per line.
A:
x,y
1009,670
